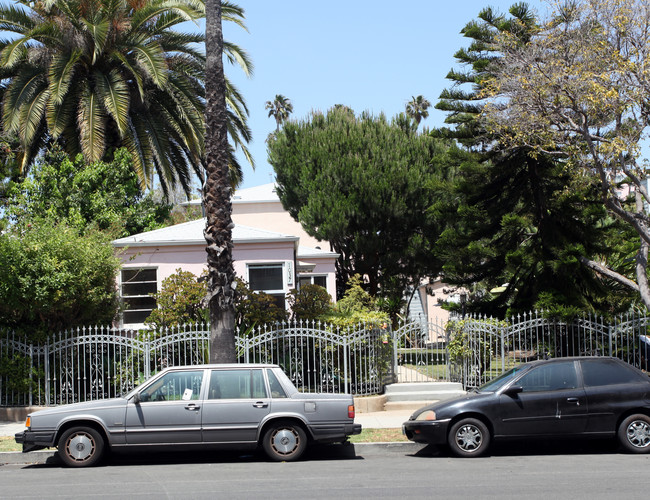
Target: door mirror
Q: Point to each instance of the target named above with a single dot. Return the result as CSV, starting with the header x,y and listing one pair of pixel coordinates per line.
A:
x,y
513,390
136,398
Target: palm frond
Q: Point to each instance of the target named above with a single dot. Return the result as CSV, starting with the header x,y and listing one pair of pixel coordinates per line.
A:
x,y
91,123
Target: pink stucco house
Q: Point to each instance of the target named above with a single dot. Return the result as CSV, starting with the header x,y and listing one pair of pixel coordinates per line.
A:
x,y
271,252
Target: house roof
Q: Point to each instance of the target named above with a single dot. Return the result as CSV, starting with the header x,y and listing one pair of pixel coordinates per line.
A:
x,y
314,253
258,194
191,233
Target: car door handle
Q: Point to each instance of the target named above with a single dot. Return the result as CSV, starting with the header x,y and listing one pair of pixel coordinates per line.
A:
x,y
192,407
260,404
573,400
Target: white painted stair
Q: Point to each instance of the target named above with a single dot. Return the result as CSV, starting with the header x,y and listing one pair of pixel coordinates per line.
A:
x,y
408,396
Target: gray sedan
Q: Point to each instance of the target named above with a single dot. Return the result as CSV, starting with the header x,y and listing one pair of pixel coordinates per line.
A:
x,y
219,406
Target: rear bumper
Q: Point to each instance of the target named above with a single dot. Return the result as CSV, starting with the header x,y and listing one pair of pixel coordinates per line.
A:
x,y
32,441
334,432
426,431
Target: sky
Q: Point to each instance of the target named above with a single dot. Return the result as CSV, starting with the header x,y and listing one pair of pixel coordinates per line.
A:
x,y
370,55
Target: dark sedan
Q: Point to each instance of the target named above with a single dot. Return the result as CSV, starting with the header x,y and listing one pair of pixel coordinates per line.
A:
x,y
566,397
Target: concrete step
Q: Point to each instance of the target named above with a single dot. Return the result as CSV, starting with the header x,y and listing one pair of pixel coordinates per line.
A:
x,y
423,396
423,387
406,405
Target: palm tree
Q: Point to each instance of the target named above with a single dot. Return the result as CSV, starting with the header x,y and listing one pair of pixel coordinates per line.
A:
x,y
216,196
280,109
96,75
417,108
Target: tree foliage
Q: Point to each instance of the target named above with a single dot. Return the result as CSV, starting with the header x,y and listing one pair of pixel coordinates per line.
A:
x,y
97,75
522,219
102,195
370,187
52,278
356,307
418,108
310,302
255,308
279,108
179,301
579,91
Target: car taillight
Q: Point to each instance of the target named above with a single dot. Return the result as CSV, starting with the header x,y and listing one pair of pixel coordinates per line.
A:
x,y
351,411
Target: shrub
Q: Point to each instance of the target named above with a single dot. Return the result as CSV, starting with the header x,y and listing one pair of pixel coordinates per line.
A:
x,y
179,301
310,302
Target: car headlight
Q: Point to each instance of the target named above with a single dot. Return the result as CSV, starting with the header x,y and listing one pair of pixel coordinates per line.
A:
x,y
426,415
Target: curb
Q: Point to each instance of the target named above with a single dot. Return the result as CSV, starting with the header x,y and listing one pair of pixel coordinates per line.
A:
x,y
360,449
31,457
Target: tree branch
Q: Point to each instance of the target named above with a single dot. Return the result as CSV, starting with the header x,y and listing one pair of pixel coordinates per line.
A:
x,y
600,269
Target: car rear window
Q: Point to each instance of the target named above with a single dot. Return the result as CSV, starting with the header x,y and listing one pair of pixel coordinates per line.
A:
x,y
276,387
606,372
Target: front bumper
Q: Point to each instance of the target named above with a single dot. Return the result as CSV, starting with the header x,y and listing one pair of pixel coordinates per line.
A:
x,y
426,431
35,440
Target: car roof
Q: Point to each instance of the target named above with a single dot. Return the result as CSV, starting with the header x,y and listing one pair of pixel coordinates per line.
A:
x,y
222,365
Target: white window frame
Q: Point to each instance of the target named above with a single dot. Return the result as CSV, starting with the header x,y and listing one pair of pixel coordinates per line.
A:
x,y
285,269
123,297
311,279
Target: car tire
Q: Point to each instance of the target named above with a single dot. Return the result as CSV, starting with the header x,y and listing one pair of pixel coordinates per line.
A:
x,y
284,441
634,433
81,447
468,438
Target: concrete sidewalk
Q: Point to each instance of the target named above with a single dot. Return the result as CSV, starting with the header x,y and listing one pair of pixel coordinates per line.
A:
x,y
373,420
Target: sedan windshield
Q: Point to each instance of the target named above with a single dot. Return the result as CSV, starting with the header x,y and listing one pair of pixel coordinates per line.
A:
x,y
497,383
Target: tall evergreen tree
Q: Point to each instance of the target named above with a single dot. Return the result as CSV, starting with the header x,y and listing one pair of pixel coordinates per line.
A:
x,y
370,187
522,221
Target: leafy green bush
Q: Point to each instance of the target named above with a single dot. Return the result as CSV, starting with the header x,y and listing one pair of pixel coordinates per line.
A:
x,y
179,301
356,306
310,302
53,278
255,308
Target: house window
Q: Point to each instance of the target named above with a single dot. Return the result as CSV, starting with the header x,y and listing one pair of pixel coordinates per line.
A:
x,y
268,278
136,287
313,280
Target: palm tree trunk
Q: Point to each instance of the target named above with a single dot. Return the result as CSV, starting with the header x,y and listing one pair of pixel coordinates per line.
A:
x,y
216,196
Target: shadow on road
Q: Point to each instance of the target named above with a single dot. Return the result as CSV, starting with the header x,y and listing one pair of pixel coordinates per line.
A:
x,y
315,452
535,448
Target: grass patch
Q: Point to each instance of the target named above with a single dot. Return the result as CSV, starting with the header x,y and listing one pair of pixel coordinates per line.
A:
x,y
378,436
9,444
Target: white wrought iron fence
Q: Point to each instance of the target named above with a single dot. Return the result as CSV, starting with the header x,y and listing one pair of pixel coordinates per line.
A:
x,y
481,348
103,362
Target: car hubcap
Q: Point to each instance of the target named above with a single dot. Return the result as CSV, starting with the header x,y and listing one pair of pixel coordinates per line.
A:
x,y
284,441
80,447
469,438
638,434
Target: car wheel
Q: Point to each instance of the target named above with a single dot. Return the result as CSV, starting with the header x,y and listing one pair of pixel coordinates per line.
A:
x,y
634,433
284,441
469,438
81,447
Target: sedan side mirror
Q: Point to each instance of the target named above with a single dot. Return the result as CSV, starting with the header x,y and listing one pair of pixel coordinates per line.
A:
x,y
513,390
136,398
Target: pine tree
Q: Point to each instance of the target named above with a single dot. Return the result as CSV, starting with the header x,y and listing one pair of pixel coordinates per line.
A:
x,y
522,221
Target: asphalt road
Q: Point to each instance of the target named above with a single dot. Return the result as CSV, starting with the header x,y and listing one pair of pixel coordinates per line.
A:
x,y
573,470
